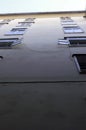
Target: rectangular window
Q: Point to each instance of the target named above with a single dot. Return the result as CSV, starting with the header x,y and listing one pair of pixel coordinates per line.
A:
x,y
9,42
68,23
80,61
30,20
5,21
72,29
16,31
66,19
24,24
77,42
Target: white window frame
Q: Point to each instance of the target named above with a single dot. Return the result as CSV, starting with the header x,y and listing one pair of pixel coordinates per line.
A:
x,y
72,29
63,42
68,23
79,63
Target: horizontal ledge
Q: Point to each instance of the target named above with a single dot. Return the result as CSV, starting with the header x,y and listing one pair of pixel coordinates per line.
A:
x,y
40,13
36,82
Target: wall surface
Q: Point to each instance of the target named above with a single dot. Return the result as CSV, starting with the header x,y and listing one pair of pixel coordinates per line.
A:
x,y
39,57
40,86
43,106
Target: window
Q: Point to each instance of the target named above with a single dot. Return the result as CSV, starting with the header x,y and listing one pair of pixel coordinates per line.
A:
x,y
77,42
30,20
5,21
24,24
9,42
64,19
80,61
68,23
16,31
72,29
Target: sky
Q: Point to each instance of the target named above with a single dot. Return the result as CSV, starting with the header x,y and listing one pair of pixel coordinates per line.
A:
x,y
20,6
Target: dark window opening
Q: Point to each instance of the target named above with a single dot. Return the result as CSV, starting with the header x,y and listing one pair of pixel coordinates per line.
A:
x,y
77,42
80,60
9,42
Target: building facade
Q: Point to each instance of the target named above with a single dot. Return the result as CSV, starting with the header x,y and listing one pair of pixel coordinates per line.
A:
x,y
43,71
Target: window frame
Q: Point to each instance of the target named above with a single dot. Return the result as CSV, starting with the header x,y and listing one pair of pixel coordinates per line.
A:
x,y
66,19
5,21
24,24
72,29
30,20
77,62
68,23
63,42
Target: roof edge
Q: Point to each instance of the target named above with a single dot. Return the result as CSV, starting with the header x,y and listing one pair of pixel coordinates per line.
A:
x,y
39,13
